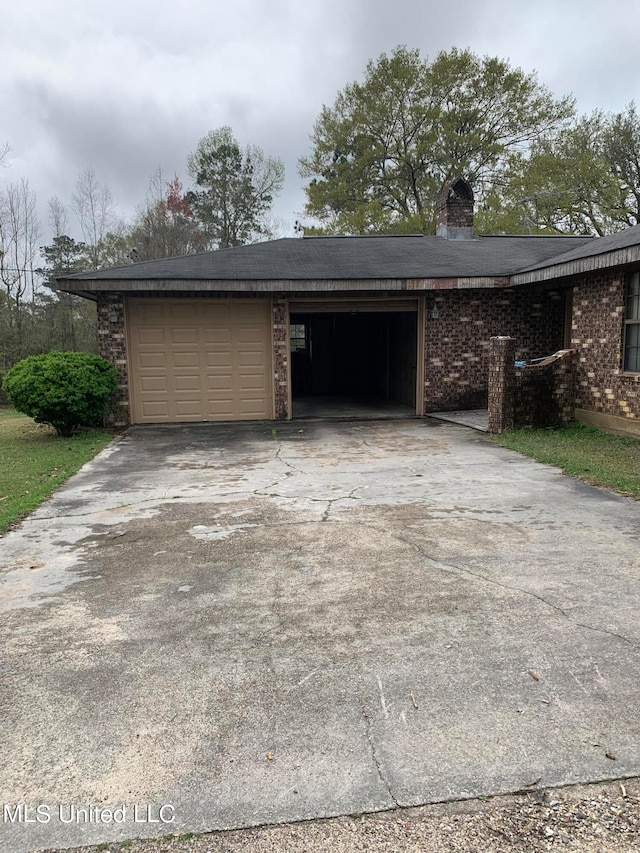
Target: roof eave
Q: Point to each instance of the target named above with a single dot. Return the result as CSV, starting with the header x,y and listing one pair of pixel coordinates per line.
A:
x,y
90,287
616,258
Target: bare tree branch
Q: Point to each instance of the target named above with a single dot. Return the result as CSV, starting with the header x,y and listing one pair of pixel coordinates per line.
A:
x,y
58,217
4,153
94,205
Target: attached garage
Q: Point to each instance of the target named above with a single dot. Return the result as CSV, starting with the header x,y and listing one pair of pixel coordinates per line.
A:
x,y
199,359
260,332
361,349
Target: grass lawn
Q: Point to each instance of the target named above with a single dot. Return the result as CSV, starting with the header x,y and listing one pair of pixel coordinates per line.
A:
x,y
584,452
34,460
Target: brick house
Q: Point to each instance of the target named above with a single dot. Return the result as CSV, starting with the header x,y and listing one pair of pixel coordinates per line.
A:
x,y
246,333
602,281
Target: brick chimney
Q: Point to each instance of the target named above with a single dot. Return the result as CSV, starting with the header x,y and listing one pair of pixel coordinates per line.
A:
x,y
454,211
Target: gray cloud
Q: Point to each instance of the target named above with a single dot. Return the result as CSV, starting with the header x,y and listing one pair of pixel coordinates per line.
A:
x,y
124,87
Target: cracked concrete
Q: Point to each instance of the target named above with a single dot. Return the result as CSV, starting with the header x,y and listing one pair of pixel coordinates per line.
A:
x,y
375,759
258,624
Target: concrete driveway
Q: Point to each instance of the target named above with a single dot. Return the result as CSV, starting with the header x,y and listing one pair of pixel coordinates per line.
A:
x,y
250,624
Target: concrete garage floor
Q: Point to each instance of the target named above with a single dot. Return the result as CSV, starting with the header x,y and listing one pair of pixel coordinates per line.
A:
x,y
257,623
350,408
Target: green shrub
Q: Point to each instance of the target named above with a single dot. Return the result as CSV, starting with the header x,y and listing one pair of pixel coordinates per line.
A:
x,y
64,389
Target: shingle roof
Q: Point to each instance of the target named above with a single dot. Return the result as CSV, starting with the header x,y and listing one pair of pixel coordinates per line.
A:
x,y
345,258
600,246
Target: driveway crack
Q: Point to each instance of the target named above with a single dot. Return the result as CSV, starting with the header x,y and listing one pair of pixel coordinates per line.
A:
x,y
543,600
332,501
514,588
156,500
262,493
278,455
374,755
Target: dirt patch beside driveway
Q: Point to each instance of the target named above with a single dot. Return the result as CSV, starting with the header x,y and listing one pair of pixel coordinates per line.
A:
x,y
252,624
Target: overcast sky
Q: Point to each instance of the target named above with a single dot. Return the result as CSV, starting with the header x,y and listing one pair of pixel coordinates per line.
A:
x,y
124,86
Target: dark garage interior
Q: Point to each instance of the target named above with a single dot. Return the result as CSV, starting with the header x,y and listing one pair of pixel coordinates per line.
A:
x,y
354,356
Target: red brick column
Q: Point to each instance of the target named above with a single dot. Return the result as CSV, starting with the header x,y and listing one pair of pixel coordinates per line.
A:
x,y
502,353
280,331
112,346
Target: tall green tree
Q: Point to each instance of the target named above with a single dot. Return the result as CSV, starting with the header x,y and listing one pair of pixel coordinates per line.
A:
x,y
235,188
381,153
61,320
64,256
622,151
116,247
584,179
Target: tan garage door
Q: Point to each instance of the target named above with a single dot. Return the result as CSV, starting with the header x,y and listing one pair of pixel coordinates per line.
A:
x,y
199,360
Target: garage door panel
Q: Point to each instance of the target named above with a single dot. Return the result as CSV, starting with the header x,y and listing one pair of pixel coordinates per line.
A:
x,y
251,383
245,368
155,410
218,336
180,313
188,358
187,383
252,313
200,360
152,360
221,409
247,335
222,312
150,336
218,377
188,408
220,358
153,383
250,358
250,370
219,383
253,407
154,313
185,336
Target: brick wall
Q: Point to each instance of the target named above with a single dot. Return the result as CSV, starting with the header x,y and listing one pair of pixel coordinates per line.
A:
x,y
280,314
544,394
112,345
540,395
597,333
457,340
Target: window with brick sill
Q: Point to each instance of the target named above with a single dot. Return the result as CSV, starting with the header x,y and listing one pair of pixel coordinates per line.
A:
x,y
632,325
